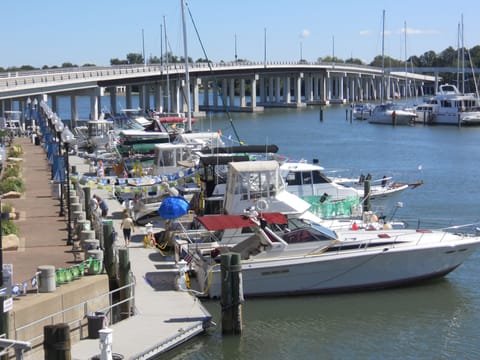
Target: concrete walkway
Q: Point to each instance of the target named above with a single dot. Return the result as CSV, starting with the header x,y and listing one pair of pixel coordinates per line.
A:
x,y
164,318
43,233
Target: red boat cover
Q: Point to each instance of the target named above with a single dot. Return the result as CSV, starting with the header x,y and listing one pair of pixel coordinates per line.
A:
x,y
221,222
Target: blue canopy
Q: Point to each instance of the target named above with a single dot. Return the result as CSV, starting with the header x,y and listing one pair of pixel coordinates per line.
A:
x,y
173,207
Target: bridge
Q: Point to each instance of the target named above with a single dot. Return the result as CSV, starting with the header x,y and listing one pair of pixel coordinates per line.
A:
x,y
236,86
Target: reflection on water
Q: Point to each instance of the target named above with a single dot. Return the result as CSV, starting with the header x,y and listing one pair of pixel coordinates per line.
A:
x,y
434,321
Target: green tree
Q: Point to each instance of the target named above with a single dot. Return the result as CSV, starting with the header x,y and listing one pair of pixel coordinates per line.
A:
x,y
117,61
135,58
330,59
354,61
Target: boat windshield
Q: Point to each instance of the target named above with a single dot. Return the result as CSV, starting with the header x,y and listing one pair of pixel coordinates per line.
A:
x,y
314,228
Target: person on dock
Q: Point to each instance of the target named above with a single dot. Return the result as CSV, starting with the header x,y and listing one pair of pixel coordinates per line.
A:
x,y
102,204
128,227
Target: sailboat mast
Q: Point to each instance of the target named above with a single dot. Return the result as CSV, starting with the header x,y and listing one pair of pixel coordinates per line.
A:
x,y
463,60
406,79
187,76
382,88
167,66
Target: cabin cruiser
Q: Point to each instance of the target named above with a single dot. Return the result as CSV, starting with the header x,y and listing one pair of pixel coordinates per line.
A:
x,y
285,251
334,197
450,107
392,114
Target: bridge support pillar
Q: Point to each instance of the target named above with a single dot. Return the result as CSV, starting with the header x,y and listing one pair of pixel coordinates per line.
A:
x,y
128,96
254,92
242,93
73,111
113,99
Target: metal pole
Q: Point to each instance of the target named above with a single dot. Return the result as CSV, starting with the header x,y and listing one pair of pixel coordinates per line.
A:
x,y
69,210
62,211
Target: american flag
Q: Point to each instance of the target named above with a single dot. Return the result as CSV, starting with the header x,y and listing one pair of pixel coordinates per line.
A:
x,y
188,258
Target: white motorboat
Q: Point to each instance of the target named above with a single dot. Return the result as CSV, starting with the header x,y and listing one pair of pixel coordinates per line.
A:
x,y
362,111
333,197
289,252
304,258
392,114
450,107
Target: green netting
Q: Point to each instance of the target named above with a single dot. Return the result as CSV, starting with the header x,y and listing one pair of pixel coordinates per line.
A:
x,y
331,209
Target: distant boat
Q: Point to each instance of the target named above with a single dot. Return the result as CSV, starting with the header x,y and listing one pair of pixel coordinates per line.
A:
x,y
362,111
392,114
450,107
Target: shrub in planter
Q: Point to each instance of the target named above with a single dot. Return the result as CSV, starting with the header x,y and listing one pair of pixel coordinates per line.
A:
x,y
15,151
12,184
9,227
10,171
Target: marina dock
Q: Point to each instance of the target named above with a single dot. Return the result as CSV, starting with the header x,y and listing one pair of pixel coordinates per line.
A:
x,y
163,317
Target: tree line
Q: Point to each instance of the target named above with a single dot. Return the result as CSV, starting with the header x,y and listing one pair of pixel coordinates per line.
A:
x,y
449,57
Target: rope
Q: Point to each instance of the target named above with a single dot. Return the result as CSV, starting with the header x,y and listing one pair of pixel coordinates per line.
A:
x,y
225,107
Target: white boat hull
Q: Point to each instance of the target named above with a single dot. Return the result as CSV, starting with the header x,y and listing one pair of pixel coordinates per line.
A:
x,y
359,269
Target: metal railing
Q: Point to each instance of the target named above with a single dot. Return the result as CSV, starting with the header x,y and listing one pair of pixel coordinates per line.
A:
x,y
112,312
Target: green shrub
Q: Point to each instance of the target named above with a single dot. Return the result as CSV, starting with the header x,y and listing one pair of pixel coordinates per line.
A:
x,y
11,171
6,207
12,184
15,151
9,227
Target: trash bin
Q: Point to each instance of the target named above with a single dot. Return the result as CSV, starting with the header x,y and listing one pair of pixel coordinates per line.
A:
x,y
37,140
96,321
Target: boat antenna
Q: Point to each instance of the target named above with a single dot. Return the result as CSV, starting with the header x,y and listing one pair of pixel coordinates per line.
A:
x,y
213,75
187,75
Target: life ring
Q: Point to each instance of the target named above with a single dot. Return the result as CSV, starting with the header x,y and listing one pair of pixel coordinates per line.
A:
x,y
262,205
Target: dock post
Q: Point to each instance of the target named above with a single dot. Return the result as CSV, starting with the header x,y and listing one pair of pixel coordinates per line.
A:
x,y
237,293
232,294
321,113
346,114
88,196
124,279
366,195
56,343
108,240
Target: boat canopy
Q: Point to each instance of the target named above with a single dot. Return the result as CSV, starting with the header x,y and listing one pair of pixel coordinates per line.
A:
x,y
222,222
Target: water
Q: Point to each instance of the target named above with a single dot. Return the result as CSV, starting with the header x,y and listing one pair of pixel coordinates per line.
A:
x,y
438,320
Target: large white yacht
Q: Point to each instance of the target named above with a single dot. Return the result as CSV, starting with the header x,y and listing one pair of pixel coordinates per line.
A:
x,y
450,107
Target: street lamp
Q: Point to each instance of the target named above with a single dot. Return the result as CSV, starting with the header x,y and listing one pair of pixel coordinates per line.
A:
x,y
59,128
67,138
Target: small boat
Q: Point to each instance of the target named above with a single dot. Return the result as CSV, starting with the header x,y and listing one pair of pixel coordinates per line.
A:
x,y
12,122
362,111
392,114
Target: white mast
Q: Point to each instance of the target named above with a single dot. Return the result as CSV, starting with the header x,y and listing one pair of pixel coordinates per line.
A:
x,y
382,88
187,76
167,66
406,79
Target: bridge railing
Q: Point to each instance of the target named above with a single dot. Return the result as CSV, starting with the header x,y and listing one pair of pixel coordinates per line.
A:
x,y
26,79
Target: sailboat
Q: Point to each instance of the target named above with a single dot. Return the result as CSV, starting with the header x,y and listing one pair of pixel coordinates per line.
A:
x,y
389,113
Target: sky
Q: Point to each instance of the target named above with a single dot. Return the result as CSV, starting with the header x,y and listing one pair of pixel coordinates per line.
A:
x,y
53,32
